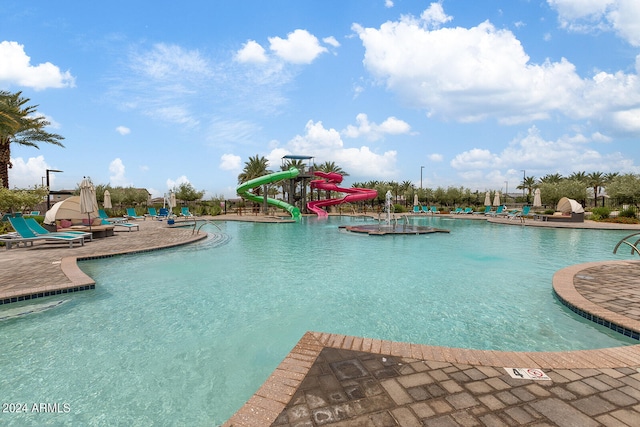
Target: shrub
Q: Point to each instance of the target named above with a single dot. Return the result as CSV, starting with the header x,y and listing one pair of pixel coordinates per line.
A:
x,y
602,212
398,208
630,212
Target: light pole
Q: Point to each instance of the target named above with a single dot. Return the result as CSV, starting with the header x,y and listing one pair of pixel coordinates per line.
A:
x,y
421,167
49,188
524,177
506,191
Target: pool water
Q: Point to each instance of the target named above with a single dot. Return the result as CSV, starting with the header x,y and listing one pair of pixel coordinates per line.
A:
x,y
184,336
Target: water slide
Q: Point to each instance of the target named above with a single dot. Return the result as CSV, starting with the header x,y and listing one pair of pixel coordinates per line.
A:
x,y
243,190
330,182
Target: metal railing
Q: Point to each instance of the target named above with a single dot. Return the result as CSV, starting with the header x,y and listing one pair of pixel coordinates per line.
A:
x,y
634,245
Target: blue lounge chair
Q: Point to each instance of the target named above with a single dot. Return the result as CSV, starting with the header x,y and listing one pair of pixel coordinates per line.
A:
x,y
434,210
185,211
164,213
417,209
153,213
425,209
127,225
467,211
41,231
457,211
487,209
26,235
131,214
497,212
520,214
34,213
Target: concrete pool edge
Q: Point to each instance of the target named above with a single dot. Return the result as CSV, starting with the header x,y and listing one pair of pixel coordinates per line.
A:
x,y
272,398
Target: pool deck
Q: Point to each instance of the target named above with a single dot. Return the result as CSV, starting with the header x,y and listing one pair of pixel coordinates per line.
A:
x,y
337,380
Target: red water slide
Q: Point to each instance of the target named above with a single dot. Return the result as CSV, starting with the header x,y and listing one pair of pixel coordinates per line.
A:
x,y
329,183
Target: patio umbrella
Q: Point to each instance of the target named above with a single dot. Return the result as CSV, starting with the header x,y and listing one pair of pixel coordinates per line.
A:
x,y
415,200
88,202
172,200
496,199
107,200
487,199
537,202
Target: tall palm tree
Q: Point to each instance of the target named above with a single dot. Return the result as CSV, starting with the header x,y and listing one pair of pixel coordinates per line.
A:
x,y
596,180
579,176
529,184
20,124
554,178
255,167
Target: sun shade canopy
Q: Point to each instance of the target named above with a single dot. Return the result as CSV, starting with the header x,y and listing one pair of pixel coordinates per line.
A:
x,y
566,205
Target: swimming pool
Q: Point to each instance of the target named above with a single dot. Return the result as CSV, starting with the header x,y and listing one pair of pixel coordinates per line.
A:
x,y
185,336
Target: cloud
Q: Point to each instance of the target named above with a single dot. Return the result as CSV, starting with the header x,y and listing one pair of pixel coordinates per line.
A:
x,y
171,184
251,52
230,162
117,176
373,131
474,74
533,153
388,4
331,41
16,69
619,16
434,15
327,145
437,158
123,130
300,47
29,174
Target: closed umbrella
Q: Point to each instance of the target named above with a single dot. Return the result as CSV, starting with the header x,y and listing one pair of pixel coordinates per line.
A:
x,y
487,199
172,200
88,202
107,200
415,200
496,199
537,201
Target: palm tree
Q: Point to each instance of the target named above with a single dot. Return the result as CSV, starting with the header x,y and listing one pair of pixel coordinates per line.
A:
x,y
255,167
529,184
20,124
596,180
579,176
551,179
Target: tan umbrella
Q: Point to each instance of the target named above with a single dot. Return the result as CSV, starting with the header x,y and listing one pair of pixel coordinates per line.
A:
x,y
416,202
487,199
88,202
496,199
107,200
537,201
172,201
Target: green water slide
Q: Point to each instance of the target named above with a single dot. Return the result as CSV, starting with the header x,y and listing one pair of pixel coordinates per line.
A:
x,y
243,190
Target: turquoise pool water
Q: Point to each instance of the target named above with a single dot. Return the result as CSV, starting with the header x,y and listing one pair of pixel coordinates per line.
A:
x,y
185,336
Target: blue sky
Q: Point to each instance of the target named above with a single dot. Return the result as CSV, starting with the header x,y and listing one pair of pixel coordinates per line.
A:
x,y
153,94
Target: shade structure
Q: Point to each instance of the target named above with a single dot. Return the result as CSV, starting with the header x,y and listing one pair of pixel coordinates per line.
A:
x,y
496,199
415,200
172,200
568,206
107,200
67,209
537,201
88,202
487,199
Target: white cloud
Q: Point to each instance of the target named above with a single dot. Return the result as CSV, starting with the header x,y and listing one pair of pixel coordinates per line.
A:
x,y
388,3
251,52
29,174
373,131
473,74
117,176
16,68
171,184
164,62
436,157
434,15
123,130
326,145
620,16
331,41
230,162
300,47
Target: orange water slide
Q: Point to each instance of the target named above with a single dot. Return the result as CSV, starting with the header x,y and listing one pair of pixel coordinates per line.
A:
x,y
330,182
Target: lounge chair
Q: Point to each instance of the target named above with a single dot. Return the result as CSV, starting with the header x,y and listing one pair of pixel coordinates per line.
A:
x,y
426,209
153,213
185,211
520,214
497,212
129,226
41,231
131,214
457,211
164,213
467,211
434,210
26,235
487,209
417,209
34,213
